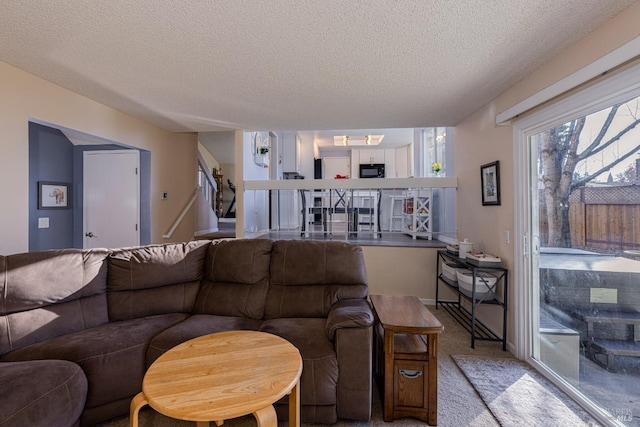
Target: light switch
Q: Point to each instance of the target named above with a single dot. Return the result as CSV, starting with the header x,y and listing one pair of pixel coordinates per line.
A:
x,y
43,222
505,236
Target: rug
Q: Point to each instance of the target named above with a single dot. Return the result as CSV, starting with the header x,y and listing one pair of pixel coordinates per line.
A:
x,y
518,395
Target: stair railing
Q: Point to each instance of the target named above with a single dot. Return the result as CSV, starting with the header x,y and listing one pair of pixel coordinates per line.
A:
x,y
182,214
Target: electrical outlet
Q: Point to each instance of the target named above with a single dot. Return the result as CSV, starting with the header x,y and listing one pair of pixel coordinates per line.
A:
x,y
43,222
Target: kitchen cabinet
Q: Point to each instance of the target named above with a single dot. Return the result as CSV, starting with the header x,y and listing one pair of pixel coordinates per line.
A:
x,y
402,162
390,163
371,156
290,152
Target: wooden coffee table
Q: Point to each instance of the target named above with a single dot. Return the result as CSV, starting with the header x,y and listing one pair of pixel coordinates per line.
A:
x,y
222,376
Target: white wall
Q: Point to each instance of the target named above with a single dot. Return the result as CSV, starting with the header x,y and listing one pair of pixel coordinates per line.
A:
x,y
209,159
479,140
25,97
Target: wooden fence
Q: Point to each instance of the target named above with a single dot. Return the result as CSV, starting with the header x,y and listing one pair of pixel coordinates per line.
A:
x,y
615,227
602,218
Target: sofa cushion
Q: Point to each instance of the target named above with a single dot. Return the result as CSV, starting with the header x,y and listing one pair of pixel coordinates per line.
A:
x,y
111,355
308,277
154,279
319,362
236,278
193,327
50,293
41,393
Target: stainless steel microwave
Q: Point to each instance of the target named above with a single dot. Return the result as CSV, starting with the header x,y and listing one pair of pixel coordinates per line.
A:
x,y
375,170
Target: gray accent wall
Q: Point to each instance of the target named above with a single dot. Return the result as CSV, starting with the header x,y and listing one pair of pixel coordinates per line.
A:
x,y
51,160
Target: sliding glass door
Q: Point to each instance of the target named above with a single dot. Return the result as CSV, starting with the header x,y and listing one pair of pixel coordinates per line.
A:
x,y
582,252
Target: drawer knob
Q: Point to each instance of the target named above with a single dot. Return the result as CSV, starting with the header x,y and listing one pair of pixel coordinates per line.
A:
x,y
411,374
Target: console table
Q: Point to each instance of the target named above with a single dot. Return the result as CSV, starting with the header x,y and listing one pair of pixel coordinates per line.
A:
x,y
406,357
467,316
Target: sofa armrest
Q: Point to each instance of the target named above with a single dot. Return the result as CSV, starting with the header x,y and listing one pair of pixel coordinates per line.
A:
x,y
351,313
41,392
354,392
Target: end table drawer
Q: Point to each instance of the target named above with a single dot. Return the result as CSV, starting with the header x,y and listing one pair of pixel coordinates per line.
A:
x,y
410,384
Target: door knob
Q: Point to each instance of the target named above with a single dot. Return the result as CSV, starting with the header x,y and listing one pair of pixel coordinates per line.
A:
x,y
90,234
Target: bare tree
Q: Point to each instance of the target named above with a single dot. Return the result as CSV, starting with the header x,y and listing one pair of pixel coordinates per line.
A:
x,y
560,155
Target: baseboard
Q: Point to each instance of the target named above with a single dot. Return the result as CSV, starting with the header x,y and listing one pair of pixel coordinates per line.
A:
x,y
426,301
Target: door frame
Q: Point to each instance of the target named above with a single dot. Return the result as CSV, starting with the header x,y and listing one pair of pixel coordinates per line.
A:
x,y
617,87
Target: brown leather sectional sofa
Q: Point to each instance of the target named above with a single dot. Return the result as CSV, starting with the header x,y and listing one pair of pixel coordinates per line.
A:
x,y
78,328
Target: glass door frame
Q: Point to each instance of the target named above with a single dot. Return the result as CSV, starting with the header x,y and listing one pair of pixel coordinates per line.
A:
x,y
616,86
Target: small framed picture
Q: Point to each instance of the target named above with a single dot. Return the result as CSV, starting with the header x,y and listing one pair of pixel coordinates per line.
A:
x,y
54,195
490,181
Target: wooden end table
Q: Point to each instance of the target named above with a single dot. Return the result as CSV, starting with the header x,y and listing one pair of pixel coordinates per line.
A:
x,y
406,357
222,376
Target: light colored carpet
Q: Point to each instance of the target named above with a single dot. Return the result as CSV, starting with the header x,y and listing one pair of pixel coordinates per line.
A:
x,y
518,395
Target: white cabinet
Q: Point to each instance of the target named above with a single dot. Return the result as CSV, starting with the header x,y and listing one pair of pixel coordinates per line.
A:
x,y
291,153
416,212
372,156
390,163
402,162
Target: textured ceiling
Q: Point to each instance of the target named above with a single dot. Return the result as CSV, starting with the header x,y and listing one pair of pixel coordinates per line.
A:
x,y
200,66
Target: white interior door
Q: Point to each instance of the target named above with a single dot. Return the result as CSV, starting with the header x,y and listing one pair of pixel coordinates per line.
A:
x,y
111,198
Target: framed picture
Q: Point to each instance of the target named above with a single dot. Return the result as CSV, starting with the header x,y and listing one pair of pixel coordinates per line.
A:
x,y
490,180
54,195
